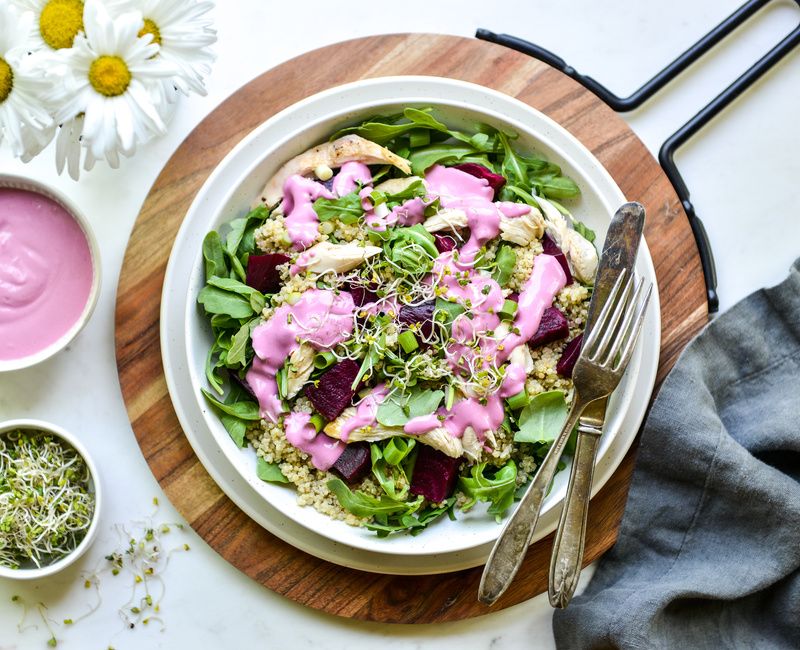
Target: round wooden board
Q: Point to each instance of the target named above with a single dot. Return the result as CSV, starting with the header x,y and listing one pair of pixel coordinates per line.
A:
x,y
242,542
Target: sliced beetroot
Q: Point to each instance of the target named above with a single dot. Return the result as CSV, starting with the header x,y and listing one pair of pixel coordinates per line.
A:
x,y
496,181
513,296
444,243
332,394
262,272
552,327
435,474
361,295
551,248
354,462
569,357
421,314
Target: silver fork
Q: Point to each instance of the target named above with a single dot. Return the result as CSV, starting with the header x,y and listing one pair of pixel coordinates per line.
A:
x,y
600,367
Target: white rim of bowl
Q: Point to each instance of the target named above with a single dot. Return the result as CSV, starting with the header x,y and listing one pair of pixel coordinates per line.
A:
x,y
86,542
11,181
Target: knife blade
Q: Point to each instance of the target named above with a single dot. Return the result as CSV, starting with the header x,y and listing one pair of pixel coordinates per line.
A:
x,y
619,253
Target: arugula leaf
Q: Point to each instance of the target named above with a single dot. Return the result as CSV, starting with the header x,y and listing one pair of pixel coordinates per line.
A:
x,y
410,523
541,420
498,488
365,505
400,408
269,472
422,159
557,187
214,255
584,231
346,209
232,285
235,427
239,344
412,248
219,301
244,410
512,167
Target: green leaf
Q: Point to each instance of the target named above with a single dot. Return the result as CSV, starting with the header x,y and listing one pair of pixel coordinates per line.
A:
x,y
512,167
541,420
235,427
424,158
244,410
497,488
238,351
366,505
505,261
558,187
235,234
402,407
232,285
385,475
269,472
346,209
412,249
219,301
584,231
214,255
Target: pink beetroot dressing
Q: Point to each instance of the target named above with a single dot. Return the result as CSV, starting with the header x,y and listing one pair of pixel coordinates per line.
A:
x,y
46,273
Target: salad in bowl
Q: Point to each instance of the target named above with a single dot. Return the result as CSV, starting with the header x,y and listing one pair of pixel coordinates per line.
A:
x,y
395,321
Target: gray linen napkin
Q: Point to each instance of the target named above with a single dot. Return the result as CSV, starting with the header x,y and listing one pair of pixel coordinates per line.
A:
x,y
708,554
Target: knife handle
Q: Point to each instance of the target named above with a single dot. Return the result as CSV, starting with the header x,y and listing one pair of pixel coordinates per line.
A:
x,y
567,559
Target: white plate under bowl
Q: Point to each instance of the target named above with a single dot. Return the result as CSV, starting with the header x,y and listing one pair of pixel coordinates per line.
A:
x,y
185,335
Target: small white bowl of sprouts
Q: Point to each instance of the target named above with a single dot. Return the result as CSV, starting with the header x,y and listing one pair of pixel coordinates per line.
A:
x,y
50,499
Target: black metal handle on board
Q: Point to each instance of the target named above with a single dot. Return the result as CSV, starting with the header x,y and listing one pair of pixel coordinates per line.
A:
x,y
677,139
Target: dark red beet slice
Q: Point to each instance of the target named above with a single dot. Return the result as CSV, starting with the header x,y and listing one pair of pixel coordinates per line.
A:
x,y
262,272
551,248
496,181
422,314
444,243
354,462
569,357
434,474
361,295
552,327
513,296
332,393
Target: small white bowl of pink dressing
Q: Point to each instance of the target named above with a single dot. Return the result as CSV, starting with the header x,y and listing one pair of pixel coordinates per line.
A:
x,y
49,272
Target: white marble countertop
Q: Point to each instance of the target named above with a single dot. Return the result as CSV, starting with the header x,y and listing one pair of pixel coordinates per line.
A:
x,y
742,170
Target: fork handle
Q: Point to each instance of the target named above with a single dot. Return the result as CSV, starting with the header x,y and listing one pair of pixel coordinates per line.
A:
x,y
567,558
512,544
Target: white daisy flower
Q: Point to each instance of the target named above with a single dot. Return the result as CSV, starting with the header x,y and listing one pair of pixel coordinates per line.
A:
x,y
56,23
24,122
184,34
110,79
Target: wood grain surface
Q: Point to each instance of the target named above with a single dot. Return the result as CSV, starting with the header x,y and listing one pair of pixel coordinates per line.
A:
x,y
242,542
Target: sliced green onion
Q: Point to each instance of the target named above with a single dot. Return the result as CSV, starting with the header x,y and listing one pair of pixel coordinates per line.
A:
x,y
324,360
407,341
505,261
283,382
318,422
508,310
518,401
449,397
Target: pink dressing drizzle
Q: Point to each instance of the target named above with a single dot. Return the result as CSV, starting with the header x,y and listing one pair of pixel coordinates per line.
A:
x,y
470,412
300,433
461,191
366,412
302,223
320,318
349,177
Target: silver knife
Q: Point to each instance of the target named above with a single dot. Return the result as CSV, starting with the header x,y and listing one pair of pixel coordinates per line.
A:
x,y
619,252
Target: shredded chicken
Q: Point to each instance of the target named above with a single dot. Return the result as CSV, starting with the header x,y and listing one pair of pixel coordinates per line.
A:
x,y
439,438
450,219
349,148
299,369
325,256
580,252
524,229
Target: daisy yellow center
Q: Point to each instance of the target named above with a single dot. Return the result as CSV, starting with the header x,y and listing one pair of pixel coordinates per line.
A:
x,y
151,28
6,79
60,22
109,75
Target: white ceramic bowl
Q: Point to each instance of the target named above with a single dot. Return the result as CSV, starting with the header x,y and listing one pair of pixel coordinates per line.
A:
x,y
21,183
230,190
48,570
